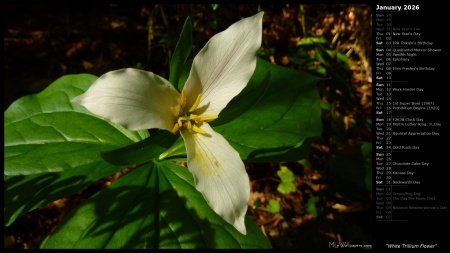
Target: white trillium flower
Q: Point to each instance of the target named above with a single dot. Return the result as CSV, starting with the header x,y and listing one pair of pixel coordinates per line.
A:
x,y
141,100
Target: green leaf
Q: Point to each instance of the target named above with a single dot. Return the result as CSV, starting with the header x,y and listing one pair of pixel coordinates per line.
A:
x,y
311,206
249,97
48,133
305,163
153,206
24,193
142,151
284,118
181,54
273,206
256,203
325,105
287,180
176,152
52,147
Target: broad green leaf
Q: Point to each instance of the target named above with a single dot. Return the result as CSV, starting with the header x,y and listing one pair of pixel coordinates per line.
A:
x,y
287,115
142,151
24,193
52,147
153,206
181,54
249,97
176,152
287,180
275,118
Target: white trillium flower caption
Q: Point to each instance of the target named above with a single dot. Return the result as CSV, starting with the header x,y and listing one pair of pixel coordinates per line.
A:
x,y
140,100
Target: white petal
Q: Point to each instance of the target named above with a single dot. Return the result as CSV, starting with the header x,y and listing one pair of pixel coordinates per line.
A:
x,y
134,98
225,65
219,174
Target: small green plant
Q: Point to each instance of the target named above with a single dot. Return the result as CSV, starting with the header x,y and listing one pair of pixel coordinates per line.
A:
x,y
287,180
273,206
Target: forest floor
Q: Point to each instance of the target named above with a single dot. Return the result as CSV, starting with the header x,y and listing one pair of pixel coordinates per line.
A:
x,y
45,42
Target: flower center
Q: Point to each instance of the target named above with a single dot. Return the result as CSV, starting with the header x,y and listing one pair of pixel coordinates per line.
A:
x,y
187,119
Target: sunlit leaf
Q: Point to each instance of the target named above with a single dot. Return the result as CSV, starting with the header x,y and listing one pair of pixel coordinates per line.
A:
x,y
273,206
52,147
287,180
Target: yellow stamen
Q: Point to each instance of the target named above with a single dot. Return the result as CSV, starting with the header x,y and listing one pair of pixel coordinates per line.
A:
x,y
180,120
183,100
198,130
189,120
175,112
197,101
175,129
207,117
187,125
